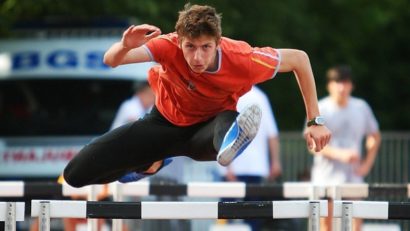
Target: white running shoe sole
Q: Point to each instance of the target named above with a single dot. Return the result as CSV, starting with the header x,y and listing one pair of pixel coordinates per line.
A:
x,y
248,122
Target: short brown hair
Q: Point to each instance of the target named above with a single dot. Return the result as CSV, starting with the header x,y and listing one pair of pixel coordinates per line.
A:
x,y
197,20
339,73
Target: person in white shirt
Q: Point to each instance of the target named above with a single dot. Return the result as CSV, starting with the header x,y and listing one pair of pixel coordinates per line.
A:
x,y
351,121
135,107
261,160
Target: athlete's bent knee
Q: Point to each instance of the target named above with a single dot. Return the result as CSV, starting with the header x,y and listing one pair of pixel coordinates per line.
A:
x,y
71,179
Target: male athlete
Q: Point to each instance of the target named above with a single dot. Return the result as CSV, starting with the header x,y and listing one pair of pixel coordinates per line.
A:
x,y
197,84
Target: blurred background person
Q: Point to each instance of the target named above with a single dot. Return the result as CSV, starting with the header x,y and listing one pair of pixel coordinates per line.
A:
x,y
350,120
136,106
261,160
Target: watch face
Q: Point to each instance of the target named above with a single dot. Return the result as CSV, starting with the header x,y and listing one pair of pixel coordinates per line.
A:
x,y
320,120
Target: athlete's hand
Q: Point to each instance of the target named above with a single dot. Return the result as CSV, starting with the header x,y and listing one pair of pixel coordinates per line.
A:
x,y
317,137
136,36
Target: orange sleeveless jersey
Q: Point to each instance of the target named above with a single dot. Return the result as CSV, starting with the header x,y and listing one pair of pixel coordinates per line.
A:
x,y
186,98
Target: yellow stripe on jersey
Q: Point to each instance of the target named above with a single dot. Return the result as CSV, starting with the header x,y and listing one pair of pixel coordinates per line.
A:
x,y
60,179
263,63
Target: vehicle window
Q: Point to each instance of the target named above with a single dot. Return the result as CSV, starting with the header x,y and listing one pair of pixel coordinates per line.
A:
x,y
46,107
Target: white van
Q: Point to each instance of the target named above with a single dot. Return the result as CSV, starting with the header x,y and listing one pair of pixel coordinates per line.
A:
x,y
56,95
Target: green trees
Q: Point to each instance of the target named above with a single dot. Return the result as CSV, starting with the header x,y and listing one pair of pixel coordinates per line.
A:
x,y
371,36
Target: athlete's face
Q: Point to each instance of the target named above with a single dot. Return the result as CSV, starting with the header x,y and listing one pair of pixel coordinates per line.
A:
x,y
200,53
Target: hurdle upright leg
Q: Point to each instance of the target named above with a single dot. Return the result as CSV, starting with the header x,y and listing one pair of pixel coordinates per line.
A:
x,y
117,224
44,218
347,212
10,221
314,216
92,224
335,194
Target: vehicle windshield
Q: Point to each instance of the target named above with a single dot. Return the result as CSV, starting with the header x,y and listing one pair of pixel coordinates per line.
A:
x,y
47,107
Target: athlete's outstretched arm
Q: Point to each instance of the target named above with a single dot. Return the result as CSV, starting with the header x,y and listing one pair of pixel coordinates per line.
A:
x,y
298,61
129,49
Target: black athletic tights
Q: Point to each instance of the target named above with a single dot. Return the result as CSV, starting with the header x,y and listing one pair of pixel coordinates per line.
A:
x,y
135,146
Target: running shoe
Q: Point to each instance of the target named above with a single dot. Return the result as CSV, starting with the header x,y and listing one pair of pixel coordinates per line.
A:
x,y
136,176
240,134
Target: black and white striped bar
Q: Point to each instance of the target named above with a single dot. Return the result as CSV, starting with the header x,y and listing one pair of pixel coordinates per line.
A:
x,y
218,189
375,209
43,189
207,189
144,188
178,210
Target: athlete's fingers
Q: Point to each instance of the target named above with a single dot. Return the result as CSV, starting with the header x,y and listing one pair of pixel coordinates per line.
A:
x,y
316,146
153,34
309,141
328,138
152,28
127,31
322,142
144,29
319,144
136,29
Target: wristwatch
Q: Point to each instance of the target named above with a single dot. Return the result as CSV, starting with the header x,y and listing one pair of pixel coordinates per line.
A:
x,y
318,120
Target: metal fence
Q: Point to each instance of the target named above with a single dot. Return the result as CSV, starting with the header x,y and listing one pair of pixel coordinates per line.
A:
x,y
391,165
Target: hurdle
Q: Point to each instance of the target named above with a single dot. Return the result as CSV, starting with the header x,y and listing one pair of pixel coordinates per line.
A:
x,y
46,210
360,191
220,189
145,188
10,213
206,189
297,190
383,210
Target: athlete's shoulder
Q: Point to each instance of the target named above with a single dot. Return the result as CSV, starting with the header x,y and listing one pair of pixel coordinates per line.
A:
x,y
163,47
170,37
229,45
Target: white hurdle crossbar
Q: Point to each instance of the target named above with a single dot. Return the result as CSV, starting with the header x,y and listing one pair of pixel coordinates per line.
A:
x,y
10,212
347,210
181,210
